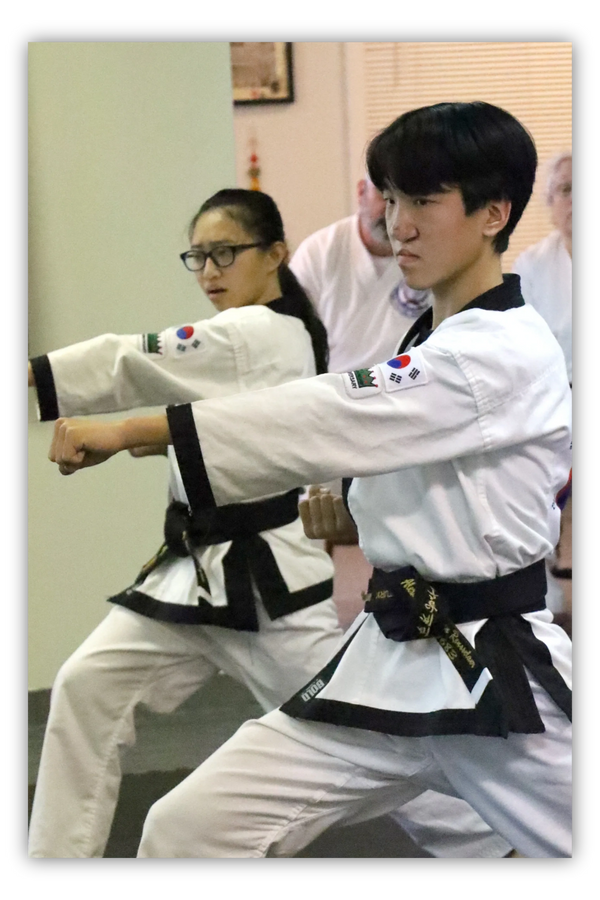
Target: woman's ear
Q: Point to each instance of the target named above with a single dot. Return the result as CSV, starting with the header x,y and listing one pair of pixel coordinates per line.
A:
x,y
277,254
498,213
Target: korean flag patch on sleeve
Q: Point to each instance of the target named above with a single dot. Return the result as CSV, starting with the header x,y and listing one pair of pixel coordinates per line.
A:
x,y
404,371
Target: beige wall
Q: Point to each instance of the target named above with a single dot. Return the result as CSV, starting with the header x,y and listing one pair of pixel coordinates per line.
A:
x,y
126,140
303,146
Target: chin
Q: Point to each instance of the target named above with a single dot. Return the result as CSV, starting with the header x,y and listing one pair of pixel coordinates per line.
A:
x,y
417,284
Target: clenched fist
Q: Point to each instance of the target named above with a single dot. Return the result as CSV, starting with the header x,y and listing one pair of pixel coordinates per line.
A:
x,y
324,516
78,443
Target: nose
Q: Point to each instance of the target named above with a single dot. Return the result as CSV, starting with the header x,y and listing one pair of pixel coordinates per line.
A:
x,y
399,222
210,269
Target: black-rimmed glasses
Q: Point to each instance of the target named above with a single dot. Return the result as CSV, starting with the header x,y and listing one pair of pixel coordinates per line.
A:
x,y
195,260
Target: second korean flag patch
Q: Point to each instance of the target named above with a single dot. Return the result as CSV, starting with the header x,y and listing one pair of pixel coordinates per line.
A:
x,y
404,371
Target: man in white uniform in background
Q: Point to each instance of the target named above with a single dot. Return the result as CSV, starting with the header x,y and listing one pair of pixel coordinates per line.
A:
x,y
546,273
546,268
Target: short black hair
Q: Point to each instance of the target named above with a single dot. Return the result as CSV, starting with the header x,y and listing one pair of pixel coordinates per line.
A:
x,y
476,147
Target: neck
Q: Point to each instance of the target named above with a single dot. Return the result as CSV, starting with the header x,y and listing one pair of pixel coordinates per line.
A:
x,y
568,241
272,292
449,297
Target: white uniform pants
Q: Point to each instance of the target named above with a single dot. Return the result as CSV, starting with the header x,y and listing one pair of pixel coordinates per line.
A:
x,y
130,659
278,783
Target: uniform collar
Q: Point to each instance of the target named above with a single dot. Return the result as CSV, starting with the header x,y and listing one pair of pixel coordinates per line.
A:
x,y
500,298
279,305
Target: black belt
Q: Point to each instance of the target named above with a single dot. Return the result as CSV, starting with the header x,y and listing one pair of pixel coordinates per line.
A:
x,y
407,607
185,530
248,560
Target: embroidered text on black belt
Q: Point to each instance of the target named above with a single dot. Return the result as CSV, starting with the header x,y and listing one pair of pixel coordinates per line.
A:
x,y
407,607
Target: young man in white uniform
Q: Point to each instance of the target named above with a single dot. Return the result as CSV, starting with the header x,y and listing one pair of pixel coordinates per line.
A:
x,y
454,677
349,272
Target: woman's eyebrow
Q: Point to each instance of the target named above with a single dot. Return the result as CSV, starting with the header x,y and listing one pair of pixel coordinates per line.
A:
x,y
212,244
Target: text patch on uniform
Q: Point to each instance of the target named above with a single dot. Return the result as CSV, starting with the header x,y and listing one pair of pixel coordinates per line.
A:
x,y
363,382
404,371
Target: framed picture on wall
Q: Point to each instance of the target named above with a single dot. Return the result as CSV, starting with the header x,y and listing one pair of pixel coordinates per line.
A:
x,y
262,72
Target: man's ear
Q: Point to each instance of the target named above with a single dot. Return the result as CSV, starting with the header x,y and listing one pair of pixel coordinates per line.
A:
x,y
498,213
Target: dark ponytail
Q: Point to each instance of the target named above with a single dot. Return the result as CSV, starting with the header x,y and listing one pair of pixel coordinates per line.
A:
x,y
258,214
301,307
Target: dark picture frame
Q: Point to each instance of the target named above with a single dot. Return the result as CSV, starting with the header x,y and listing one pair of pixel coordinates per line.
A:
x,y
262,72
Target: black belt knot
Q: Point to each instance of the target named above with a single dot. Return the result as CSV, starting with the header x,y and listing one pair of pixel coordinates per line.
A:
x,y
249,562
406,607
185,530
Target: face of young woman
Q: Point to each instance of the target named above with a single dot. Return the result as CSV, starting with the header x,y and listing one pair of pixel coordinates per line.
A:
x,y
434,241
252,277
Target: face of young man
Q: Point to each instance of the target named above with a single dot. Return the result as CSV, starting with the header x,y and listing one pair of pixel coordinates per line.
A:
x,y
435,243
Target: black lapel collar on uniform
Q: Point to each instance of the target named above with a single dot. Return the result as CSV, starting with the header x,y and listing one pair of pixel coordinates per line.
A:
x,y
418,332
500,298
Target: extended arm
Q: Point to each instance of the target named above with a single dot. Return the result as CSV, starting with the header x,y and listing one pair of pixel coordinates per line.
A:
x,y
77,444
359,424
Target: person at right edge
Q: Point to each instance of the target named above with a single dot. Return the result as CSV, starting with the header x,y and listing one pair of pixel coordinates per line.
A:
x,y
454,677
546,272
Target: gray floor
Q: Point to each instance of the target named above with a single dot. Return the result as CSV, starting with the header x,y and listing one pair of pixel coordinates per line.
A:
x,y
183,739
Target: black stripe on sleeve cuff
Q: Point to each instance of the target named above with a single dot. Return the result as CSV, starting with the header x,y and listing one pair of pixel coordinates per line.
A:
x,y
46,390
189,457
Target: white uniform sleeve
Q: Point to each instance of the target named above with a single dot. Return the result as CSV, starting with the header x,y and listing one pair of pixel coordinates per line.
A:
x,y
435,407
237,350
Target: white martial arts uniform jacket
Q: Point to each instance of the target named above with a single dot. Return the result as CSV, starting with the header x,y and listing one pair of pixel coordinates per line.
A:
x,y
236,351
458,448
358,297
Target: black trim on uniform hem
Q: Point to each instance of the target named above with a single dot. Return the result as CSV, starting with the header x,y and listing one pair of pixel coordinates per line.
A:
x,y
189,457
180,614
296,600
242,617
45,387
485,720
506,645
